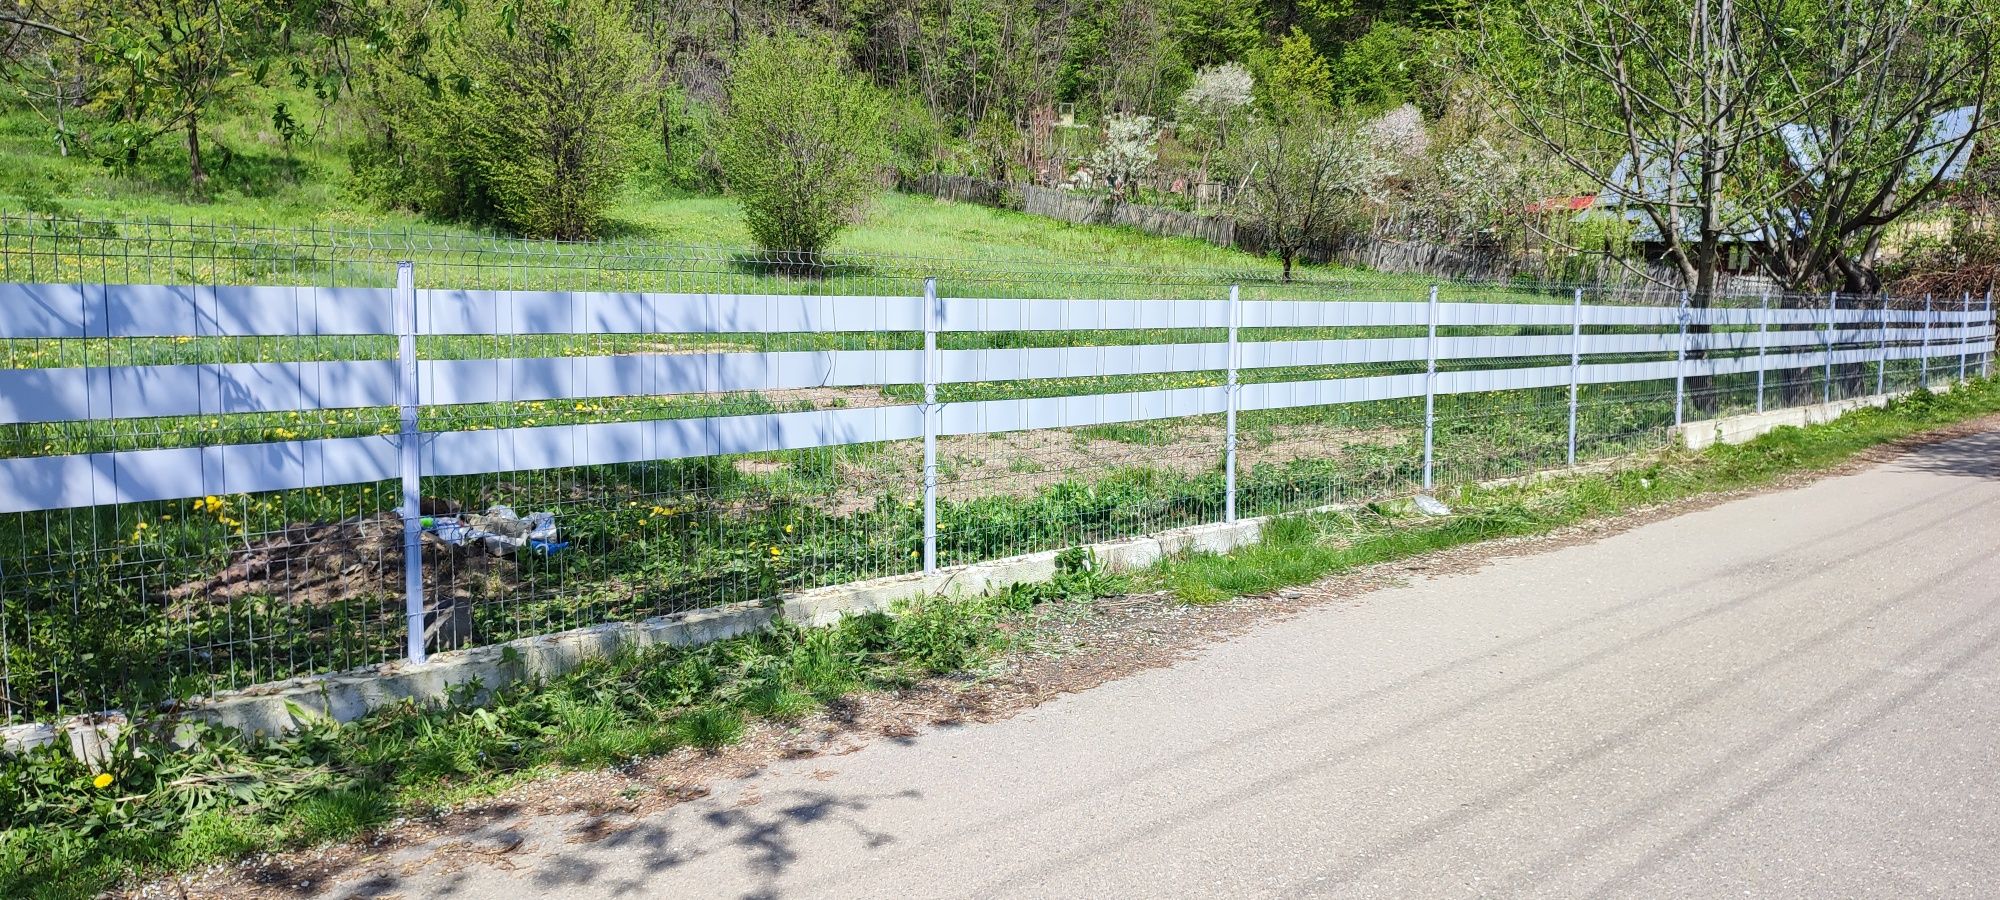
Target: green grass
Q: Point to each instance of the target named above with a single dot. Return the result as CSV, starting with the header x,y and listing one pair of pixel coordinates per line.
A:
x,y
1303,548
261,184
162,810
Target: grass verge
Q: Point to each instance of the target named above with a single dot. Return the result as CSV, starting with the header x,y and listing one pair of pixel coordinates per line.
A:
x,y
72,830
1300,549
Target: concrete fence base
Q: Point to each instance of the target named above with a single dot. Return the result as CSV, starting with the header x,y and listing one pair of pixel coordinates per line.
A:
x,y
279,707
1744,428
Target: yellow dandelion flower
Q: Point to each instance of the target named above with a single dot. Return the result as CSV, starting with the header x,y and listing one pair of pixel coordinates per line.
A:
x,y
777,552
788,529
102,781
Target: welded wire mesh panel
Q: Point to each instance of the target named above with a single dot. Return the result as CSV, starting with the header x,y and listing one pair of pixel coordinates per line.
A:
x,y
118,605
1056,429
1304,454
596,531
201,427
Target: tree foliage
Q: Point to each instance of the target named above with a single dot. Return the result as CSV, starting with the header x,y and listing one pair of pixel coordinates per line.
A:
x,y
1798,130
529,120
802,141
1310,177
1129,151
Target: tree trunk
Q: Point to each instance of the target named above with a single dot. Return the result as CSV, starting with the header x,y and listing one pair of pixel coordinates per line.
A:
x,y
197,175
1707,283
1285,257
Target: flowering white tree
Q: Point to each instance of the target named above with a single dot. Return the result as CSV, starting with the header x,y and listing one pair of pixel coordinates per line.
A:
x,y
1401,131
1216,99
1129,151
1211,107
1308,177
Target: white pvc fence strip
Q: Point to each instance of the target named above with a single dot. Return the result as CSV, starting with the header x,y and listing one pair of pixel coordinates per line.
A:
x,y
126,392
993,416
1290,394
967,314
144,310
64,482
60,482
563,446
1554,314
446,382
483,312
129,310
1322,314
1078,362
129,392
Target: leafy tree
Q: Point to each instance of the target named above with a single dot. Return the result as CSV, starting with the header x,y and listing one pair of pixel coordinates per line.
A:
x,y
1308,177
529,117
802,141
1128,152
1801,130
1214,32
1291,76
1212,108
161,66
1380,67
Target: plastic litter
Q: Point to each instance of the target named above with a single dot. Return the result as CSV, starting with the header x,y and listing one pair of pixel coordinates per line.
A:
x,y
1430,506
500,531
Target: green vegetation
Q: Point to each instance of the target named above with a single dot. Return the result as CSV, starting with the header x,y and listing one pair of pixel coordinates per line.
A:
x,y
74,829
1300,549
1456,123
526,116
802,148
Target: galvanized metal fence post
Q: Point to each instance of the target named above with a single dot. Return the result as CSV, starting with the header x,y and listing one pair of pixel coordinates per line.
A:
x,y
932,318
1680,363
1763,345
1575,365
408,439
1924,368
1965,322
1229,421
1882,349
1986,358
1826,388
1430,389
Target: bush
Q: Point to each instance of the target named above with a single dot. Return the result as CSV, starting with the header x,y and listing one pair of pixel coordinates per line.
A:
x,y
802,142
530,123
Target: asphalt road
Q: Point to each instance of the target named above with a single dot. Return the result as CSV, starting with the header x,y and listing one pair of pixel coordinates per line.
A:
x,y
1795,694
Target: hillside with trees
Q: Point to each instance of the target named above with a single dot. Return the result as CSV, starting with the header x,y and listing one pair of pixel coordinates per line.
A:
x,y
1681,140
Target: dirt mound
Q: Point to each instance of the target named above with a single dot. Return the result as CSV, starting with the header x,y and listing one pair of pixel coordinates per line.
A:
x,y
328,563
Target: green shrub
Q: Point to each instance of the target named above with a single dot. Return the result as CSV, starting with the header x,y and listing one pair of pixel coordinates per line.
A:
x,y
938,635
802,142
526,117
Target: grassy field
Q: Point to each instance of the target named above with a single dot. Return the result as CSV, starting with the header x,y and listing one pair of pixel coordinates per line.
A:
x,y
262,183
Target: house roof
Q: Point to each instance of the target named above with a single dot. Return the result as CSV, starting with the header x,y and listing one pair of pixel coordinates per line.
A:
x,y
1640,177
1577,203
